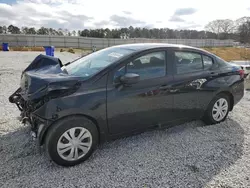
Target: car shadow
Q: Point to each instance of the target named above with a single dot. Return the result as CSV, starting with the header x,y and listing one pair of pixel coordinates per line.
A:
x,y
188,155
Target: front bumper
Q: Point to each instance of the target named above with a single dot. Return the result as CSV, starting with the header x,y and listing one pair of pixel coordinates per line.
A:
x,y
30,116
38,127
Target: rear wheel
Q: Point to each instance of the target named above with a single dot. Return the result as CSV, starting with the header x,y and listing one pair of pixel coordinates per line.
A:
x,y
71,140
217,110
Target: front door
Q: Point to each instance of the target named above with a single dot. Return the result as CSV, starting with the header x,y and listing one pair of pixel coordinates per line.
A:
x,y
144,104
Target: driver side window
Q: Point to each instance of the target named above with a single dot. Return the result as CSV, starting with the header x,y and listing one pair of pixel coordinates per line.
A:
x,y
152,65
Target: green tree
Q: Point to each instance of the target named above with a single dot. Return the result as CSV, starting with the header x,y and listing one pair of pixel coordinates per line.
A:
x,y
13,29
60,31
43,31
32,31
85,33
25,30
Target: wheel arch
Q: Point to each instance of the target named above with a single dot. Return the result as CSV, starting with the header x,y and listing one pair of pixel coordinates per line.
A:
x,y
231,98
45,130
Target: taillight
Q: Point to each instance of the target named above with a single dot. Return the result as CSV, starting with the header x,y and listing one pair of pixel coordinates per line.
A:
x,y
242,73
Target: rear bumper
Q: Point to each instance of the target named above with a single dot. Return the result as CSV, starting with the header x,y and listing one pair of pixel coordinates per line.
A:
x,y
247,82
238,92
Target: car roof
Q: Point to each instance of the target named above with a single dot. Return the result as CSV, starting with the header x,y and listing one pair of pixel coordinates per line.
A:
x,y
147,46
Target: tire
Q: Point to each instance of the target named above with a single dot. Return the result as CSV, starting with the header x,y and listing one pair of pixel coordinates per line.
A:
x,y
208,117
62,147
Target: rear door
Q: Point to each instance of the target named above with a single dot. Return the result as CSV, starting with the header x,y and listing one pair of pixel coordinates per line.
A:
x,y
192,71
144,104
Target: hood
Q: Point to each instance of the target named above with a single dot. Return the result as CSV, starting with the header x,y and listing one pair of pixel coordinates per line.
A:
x,y
44,77
44,63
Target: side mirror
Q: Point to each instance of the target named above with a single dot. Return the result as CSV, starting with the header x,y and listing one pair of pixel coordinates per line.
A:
x,y
130,78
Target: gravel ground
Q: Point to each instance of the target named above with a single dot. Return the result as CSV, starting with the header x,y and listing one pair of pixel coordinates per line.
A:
x,y
189,155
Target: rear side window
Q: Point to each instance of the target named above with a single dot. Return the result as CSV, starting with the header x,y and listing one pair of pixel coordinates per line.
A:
x,y
187,62
207,61
221,62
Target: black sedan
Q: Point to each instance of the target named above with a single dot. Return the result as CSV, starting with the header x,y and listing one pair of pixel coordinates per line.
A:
x,y
122,90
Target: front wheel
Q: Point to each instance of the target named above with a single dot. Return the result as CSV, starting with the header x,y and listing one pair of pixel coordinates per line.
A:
x,y
71,140
217,110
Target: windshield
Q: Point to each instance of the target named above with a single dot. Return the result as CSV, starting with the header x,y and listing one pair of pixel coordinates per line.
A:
x,y
95,62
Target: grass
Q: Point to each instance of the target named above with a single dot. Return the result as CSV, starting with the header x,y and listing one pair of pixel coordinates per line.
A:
x,y
231,53
76,50
226,53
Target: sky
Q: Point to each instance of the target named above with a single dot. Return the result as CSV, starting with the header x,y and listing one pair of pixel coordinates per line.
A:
x,y
90,14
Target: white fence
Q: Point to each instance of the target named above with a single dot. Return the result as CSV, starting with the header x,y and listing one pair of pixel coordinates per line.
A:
x,y
85,42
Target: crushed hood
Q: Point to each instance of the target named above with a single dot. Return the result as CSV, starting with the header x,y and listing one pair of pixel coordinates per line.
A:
x,y
45,75
46,64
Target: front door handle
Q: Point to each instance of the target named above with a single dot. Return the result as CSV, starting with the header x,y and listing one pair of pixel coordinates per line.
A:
x,y
214,73
173,90
169,88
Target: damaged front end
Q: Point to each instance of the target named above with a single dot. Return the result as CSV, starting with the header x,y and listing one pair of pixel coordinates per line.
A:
x,y
27,108
43,80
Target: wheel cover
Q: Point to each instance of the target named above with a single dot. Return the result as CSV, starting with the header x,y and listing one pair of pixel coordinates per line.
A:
x,y
74,143
220,109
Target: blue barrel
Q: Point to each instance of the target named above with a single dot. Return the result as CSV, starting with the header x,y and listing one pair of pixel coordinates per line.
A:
x,y
5,46
49,50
